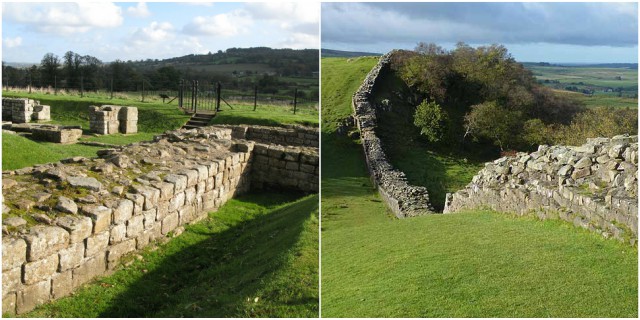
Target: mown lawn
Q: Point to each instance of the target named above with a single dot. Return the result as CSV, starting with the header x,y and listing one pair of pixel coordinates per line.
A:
x,y
255,257
468,264
267,115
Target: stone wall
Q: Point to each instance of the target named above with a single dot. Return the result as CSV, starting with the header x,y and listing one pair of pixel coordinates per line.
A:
x,y
110,119
68,222
290,135
593,186
402,198
23,110
57,134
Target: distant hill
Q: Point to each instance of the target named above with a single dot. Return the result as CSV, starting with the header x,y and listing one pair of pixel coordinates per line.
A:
x,y
583,65
329,53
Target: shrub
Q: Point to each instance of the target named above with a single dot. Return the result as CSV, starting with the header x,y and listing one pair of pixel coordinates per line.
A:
x,y
431,120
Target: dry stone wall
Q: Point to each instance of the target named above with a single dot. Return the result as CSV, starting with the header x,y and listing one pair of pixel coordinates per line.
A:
x,y
67,222
403,199
23,110
593,186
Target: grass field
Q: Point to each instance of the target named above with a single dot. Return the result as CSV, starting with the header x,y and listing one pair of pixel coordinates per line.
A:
x,y
470,264
601,100
267,115
256,257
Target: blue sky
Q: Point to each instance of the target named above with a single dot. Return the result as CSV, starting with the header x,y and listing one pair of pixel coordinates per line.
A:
x,y
551,32
156,30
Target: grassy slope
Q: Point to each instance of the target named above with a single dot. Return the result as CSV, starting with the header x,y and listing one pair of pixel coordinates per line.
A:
x,y
472,264
267,115
19,152
256,257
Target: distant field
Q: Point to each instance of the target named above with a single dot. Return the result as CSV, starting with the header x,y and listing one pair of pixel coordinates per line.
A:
x,y
601,100
597,80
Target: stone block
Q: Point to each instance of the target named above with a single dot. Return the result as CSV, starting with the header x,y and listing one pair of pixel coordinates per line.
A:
x,y
41,113
11,279
128,114
151,196
117,233
91,268
117,251
72,256
100,215
79,228
169,223
33,295
123,212
190,195
97,243
61,284
177,202
149,218
128,127
14,252
135,225
42,241
179,182
9,299
40,269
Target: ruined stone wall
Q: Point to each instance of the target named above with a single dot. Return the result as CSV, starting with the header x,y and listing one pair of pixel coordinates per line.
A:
x,y
291,135
110,119
593,186
403,199
23,110
71,221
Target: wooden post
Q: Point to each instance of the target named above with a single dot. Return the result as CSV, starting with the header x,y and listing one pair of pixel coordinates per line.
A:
x,y
195,106
81,86
218,90
29,82
55,84
255,97
295,100
142,90
111,88
181,94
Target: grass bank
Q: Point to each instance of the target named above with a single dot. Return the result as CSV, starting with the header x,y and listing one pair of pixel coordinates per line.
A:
x,y
469,264
267,115
256,257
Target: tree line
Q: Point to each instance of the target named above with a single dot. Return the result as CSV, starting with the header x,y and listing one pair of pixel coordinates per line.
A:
x,y
483,95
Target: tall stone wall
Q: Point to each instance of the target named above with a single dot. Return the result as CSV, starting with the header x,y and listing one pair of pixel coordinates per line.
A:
x,y
593,186
403,199
68,222
23,110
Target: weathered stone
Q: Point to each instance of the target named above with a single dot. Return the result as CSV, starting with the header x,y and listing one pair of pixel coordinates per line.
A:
x,y
179,181
72,256
169,223
135,226
14,222
118,250
97,243
79,228
583,163
61,284
100,215
33,295
11,279
91,268
66,205
42,241
85,182
117,233
40,269
151,196
9,304
123,212
581,173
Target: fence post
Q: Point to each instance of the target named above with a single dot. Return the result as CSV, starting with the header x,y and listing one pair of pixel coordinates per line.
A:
x,y
195,106
255,97
111,88
55,84
218,90
29,82
295,100
193,96
142,90
81,86
181,94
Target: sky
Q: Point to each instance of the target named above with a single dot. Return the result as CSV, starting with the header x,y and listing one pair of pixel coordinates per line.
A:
x,y
154,30
532,32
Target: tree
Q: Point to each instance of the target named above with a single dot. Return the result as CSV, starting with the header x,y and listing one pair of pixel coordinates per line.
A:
x,y
431,120
491,121
49,66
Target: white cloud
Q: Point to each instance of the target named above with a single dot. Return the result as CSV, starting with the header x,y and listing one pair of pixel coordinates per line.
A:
x,y
155,32
12,42
140,11
63,18
224,24
301,41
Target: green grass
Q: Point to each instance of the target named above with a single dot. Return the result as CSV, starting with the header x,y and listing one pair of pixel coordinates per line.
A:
x,y
267,115
601,100
19,152
470,264
256,257
341,77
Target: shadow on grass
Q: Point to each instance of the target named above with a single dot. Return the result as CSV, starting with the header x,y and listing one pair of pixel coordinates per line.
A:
x,y
218,275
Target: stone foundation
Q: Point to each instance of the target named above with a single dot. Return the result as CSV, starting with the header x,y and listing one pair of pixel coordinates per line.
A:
x,y
593,186
57,134
110,119
23,110
92,212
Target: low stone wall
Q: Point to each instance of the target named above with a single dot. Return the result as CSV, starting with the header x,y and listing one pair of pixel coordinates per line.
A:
x,y
69,222
23,110
57,134
593,186
291,135
402,198
110,119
